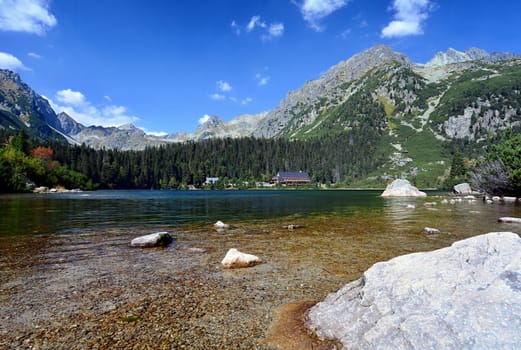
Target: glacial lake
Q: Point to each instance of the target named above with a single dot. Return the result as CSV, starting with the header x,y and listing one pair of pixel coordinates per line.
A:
x,y
67,255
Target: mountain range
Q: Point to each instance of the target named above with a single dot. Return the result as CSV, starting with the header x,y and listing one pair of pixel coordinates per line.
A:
x,y
415,109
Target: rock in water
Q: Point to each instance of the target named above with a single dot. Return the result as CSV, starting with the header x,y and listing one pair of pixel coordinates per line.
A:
x,y
221,225
463,188
431,231
402,188
467,296
236,259
152,240
510,220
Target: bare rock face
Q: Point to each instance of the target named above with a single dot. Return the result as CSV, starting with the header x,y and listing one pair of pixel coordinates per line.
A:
x,y
402,188
466,296
236,259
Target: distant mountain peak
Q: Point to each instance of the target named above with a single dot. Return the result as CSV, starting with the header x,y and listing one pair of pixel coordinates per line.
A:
x,y
211,121
68,124
454,56
128,126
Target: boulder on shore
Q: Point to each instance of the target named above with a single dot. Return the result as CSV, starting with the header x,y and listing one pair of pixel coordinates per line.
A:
x,y
464,296
152,240
402,188
236,259
463,188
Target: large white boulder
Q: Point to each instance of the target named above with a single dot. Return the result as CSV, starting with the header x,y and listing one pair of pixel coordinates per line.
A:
x,y
463,188
236,259
152,240
402,188
467,296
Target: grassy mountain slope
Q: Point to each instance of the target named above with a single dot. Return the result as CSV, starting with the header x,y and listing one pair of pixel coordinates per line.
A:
x,y
417,114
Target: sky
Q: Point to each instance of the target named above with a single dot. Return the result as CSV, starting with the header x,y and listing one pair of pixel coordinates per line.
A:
x,y
165,66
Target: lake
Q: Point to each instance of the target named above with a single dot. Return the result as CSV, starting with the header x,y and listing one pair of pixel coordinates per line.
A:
x,y
67,271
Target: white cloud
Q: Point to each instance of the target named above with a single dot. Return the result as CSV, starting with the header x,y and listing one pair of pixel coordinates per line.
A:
x,y
75,104
255,21
274,31
223,86
408,18
235,27
69,97
345,33
314,11
217,97
204,119
268,30
154,133
31,16
34,55
247,100
8,61
262,79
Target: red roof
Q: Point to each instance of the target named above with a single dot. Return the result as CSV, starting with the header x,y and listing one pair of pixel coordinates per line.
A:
x,y
288,177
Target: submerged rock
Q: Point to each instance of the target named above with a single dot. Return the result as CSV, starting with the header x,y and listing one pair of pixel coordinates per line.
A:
x,y
152,240
402,188
236,259
461,297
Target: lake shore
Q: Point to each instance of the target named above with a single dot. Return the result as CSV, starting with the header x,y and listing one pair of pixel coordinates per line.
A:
x,y
79,285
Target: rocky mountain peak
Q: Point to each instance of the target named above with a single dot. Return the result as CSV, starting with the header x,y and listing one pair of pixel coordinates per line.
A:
x,y
328,87
21,107
127,127
69,125
454,56
211,121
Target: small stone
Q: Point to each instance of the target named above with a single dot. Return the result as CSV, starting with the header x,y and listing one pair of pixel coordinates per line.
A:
x,y
292,227
221,225
431,230
152,240
236,259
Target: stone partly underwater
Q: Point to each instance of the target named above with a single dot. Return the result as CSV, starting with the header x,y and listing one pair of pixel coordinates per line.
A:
x,y
466,296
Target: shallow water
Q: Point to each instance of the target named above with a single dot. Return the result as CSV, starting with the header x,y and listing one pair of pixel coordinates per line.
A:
x,y
55,245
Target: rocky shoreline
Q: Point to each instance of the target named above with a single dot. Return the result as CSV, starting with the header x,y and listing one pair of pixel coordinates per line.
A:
x,y
92,290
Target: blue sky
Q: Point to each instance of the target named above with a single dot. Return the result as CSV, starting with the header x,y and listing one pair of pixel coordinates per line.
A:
x,y
164,65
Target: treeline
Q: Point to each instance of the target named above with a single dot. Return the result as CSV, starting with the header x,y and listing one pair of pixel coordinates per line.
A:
x,y
499,172
327,159
26,163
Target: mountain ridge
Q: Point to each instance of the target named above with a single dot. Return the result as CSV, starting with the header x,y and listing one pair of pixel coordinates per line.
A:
x,y
299,111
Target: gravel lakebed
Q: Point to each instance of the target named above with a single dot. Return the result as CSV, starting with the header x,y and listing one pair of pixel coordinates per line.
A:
x,y
91,290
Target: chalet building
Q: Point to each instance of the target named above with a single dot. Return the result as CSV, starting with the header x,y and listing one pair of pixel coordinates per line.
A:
x,y
211,180
291,178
